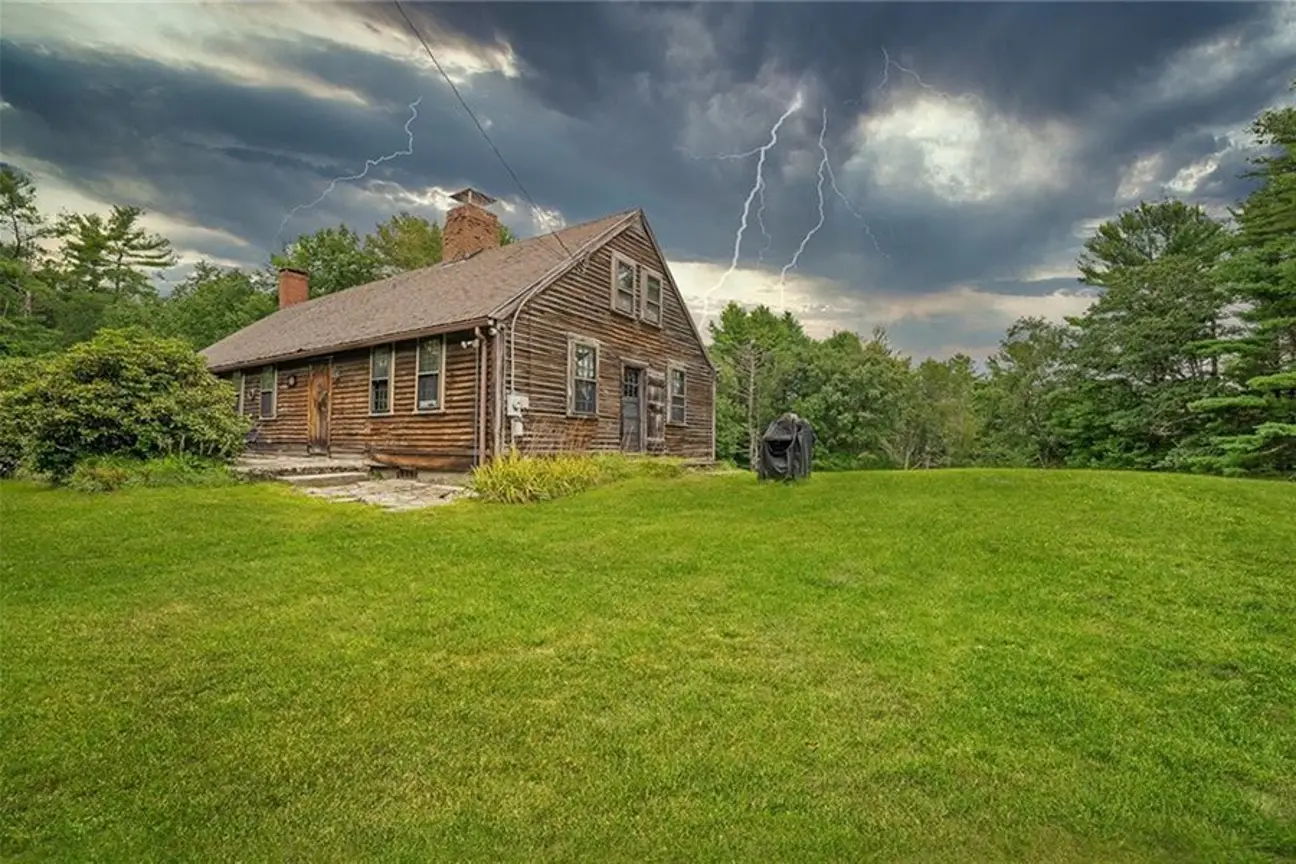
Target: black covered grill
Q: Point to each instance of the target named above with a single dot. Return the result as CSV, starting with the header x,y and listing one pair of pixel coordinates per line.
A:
x,y
787,449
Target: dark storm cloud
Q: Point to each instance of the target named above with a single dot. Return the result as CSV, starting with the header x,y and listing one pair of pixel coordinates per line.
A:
x,y
222,147
595,121
1031,61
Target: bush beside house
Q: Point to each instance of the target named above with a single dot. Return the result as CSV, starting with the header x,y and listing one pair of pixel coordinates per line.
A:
x,y
124,395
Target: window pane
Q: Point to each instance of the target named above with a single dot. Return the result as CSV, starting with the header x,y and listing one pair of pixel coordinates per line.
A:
x,y
652,312
677,383
381,362
584,403
677,412
584,361
267,378
378,404
429,355
625,287
427,391
654,289
267,403
625,277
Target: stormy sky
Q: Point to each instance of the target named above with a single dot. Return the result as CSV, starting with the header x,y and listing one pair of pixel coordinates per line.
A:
x,y
970,147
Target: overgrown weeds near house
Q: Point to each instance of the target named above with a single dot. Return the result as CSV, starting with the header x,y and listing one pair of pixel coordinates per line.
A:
x,y
517,479
109,473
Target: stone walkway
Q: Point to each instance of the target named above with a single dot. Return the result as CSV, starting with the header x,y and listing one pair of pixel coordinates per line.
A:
x,y
392,495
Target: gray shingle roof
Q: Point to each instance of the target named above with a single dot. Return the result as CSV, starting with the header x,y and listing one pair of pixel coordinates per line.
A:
x,y
410,303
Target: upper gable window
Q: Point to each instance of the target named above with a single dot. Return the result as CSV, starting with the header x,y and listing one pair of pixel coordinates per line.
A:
x,y
652,298
623,285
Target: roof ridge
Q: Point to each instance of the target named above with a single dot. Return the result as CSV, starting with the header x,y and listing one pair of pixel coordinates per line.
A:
x,y
430,297
620,214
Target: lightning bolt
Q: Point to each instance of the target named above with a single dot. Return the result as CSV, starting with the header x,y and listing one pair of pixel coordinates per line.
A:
x,y
887,63
832,179
758,188
369,163
760,208
819,188
726,156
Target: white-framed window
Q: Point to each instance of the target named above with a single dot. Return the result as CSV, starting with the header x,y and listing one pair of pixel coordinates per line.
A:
x,y
237,380
623,285
583,371
676,387
382,364
652,297
269,389
656,404
427,374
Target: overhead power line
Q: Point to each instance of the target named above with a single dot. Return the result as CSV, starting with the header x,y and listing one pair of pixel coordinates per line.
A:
x,y
535,208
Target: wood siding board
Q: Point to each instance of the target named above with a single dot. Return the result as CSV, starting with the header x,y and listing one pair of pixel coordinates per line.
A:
x,y
353,429
579,304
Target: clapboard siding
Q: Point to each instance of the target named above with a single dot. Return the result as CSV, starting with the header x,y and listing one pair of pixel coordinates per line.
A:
x,y
579,304
287,429
441,439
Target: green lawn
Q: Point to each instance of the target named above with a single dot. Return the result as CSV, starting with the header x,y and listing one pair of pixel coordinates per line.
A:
x,y
946,666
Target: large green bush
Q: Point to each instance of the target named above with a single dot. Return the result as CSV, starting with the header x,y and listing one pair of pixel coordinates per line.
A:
x,y
16,373
515,479
126,393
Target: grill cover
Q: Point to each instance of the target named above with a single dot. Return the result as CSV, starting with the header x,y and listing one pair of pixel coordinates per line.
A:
x,y
787,449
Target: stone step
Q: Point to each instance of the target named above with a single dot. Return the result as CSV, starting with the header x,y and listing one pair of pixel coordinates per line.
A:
x,y
329,478
276,472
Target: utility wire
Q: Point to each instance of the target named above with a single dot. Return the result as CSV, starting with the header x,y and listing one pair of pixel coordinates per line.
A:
x,y
417,35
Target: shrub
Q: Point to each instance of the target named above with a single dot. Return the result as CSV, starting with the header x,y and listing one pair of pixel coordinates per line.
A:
x,y
108,473
128,393
514,478
17,374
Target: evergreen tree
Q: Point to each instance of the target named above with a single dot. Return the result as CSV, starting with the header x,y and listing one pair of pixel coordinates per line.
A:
x,y
1260,274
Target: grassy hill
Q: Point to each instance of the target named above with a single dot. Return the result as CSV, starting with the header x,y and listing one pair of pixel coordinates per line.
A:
x,y
941,666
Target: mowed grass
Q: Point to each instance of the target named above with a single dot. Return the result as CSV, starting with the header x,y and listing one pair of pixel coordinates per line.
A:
x,y
946,666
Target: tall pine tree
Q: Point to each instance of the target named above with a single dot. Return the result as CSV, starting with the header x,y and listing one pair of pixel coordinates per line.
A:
x,y
1260,272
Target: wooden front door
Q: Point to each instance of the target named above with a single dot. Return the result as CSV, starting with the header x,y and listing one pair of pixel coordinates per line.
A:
x,y
632,409
317,411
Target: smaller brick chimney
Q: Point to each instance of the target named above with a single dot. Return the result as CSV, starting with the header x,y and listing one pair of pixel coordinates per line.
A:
x,y
294,287
470,227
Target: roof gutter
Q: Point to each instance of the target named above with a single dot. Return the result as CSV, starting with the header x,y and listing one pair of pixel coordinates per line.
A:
x,y
403,336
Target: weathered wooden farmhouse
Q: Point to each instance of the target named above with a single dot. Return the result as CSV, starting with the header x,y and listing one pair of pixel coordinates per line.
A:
x,y
575,340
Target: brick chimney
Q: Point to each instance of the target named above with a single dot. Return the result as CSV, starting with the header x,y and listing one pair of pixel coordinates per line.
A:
x,y
294,287
470,227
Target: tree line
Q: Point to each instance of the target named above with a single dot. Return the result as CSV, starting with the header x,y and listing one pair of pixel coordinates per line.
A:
x,y
1186,361
63,278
